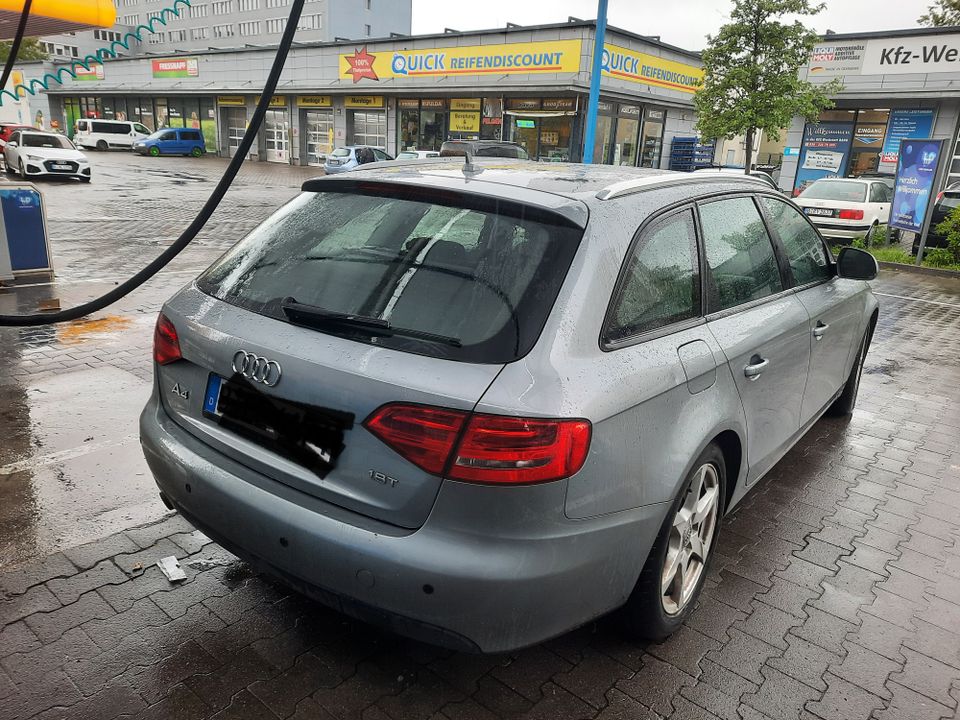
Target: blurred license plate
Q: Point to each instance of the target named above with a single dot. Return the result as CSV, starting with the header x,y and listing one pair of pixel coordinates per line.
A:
x,y
819,211
60,166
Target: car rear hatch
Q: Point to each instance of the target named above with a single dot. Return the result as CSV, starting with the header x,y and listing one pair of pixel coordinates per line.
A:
x,y
346,301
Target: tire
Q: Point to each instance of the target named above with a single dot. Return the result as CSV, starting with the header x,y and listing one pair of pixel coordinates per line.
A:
x,y
196,152
844,404
22,169
657,607
154,151
871,233
102,145
85,179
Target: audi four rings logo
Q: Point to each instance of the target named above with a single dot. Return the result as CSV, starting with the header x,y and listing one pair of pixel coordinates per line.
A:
x,y
256,368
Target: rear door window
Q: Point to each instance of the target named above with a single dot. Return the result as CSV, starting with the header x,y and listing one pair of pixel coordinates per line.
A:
x,y
740,258
805,252
661,285
481,275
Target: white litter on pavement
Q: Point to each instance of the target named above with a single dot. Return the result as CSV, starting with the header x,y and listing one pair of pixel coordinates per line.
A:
x,y
170,567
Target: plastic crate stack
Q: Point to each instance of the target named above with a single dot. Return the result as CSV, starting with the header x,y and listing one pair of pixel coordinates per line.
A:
x,y
689,153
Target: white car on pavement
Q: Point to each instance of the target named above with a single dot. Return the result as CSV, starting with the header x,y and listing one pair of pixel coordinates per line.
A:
x,y
847,208
32,153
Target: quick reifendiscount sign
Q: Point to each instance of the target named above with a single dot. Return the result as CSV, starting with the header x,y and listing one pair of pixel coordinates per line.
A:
x,y
625,64
561,56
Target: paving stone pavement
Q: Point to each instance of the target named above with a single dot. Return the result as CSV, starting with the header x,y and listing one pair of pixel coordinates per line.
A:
x,y
834,594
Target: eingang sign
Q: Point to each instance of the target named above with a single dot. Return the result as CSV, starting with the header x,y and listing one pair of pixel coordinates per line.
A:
x,y
553,56
624,64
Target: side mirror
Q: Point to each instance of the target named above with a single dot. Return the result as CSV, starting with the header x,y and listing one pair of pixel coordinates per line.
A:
x,y
12,144
856,264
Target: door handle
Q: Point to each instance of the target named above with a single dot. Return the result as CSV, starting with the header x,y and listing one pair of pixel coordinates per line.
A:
x,y
820,330
756,366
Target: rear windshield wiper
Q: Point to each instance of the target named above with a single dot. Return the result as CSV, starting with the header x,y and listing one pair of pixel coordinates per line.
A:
x,y
318,317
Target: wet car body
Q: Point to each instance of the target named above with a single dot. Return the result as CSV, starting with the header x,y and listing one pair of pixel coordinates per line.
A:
x,y
448,554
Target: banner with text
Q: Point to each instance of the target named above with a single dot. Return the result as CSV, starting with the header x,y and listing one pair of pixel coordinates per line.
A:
x,y
916,175
176,67
886,56
624,64
906,124
823,153
555,56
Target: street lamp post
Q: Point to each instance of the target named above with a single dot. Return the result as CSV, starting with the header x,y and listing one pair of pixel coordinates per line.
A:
x,y
594,100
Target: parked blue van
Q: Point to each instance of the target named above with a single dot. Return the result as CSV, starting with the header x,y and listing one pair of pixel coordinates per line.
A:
x,y
172,141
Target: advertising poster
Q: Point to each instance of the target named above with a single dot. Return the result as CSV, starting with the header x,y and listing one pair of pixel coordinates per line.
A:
x,y
916,175
23,230
176,67
907,124
824,153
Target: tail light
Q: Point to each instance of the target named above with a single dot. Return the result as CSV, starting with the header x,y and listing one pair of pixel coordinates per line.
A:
x,y
851,215
483,448
166,344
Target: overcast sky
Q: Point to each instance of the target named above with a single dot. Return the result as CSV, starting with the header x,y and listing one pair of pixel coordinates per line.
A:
x,y
679,22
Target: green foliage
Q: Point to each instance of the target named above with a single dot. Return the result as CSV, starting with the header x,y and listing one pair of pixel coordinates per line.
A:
x,y
941,13
950,228
30,49
881,236
859,242
939,258
892,255
751,72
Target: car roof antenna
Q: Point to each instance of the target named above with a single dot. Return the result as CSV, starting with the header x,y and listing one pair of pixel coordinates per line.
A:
x,y
468,167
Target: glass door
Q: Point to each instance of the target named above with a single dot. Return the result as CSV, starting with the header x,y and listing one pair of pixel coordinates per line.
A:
x,y
236,122
276,127
319,136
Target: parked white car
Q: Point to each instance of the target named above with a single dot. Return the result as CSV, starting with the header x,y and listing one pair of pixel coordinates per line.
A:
x,y
417,154
107,134
843,208
38,154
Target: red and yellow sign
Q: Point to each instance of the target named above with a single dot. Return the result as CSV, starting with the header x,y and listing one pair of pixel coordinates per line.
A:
x,y
548,56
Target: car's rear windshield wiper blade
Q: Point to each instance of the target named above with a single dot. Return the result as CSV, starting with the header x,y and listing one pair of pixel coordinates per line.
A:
x,y
313,316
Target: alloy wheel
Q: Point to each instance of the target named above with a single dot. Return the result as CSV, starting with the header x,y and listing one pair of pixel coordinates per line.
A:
x,y
691,539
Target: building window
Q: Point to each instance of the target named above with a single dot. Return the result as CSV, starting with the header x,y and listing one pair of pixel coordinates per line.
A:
x,y
222,7
368,4
131,19
199,33
277,3
310,22
177,36
366,29
275,25
247,5
250,28
198,11
223,31
370,128
155,38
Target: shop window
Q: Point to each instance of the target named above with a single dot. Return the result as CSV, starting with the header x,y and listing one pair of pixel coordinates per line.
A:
x,y
409,129
491,119
370,128
625,139
651,137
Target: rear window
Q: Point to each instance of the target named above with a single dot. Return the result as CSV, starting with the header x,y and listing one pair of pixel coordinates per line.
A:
x,y
341,152
836,190
479,274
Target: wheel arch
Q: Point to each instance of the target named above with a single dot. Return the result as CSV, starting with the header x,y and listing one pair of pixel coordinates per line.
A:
x,y
731,446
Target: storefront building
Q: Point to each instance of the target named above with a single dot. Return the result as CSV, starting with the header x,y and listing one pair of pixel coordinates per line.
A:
x,y
527,85
897,85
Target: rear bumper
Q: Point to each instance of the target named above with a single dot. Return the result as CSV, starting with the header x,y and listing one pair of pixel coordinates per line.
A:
x,y
838,229
492,585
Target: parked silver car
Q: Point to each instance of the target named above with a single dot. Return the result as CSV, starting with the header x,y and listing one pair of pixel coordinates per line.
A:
x,y
484,407
351,157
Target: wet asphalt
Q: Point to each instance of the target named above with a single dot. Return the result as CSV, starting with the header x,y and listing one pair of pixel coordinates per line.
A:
x,y
71,469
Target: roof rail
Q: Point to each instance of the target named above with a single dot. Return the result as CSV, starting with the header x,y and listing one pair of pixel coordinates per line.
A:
x,y
635,185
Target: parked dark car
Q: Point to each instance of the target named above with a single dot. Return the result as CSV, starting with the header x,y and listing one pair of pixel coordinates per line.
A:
x,y
483,148
946,201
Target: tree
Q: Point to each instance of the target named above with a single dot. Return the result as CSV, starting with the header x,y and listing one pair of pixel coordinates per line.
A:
x,y
30,49
751,69
941,13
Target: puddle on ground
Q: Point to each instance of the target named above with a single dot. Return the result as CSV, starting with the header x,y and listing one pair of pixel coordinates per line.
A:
x,y
80,330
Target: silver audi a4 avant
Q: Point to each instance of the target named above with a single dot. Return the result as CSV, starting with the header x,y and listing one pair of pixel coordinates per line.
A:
x,y
482,404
